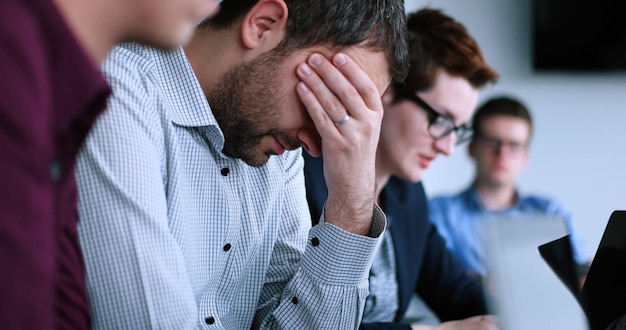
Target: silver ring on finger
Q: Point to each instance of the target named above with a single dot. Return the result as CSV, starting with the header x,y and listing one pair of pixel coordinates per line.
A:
x,y
343,121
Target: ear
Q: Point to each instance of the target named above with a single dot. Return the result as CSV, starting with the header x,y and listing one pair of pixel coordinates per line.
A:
x,y
264,25
470,149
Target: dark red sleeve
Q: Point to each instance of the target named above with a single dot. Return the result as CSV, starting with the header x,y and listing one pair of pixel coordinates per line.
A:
x,y
27,224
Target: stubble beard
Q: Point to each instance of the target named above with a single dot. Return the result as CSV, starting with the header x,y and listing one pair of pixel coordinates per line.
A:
x,y
246,104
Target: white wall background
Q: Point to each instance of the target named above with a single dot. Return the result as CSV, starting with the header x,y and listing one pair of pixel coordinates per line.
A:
x,y
578,154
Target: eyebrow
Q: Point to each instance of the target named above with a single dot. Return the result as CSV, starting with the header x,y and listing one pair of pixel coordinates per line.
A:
x,y
446,113
442,112
506,140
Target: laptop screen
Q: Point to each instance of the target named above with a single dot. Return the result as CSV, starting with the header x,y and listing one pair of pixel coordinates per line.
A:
x,y
526,293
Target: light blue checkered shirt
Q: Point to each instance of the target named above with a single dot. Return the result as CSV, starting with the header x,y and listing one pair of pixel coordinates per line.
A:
x,y
176,235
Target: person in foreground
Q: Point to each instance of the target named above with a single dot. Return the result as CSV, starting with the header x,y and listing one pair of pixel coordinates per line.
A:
x,y
500,149
52,91
425,115
192,200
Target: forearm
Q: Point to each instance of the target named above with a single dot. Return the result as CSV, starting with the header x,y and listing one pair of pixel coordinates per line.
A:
x,y
334,90
330,285
359,213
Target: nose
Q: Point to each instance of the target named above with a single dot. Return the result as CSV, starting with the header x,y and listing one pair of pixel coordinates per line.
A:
x,y
445,145
311,142
499,150
503,150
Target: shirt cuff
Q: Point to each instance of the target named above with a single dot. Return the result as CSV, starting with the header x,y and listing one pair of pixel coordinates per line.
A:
x,y
379,221
340,257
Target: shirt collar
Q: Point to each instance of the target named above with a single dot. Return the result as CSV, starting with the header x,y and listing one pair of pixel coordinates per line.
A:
x,y
472,198
188,104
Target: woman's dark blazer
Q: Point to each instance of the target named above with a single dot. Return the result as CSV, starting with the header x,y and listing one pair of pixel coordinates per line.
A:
x,y
424,265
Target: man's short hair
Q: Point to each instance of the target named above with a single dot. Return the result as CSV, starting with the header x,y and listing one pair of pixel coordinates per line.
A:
x,y
337,24
500,106
437,41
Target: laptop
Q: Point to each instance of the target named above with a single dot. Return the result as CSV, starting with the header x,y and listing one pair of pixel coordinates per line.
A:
x,y
604,292
526,294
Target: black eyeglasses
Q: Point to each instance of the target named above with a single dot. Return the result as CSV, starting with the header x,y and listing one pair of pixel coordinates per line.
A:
x,y
495,144
439,125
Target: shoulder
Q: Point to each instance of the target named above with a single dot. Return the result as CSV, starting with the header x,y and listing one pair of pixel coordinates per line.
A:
x,y
131,70
405,186
535,200
20,16
445,200
128,61
449,208
13,12
22,38
404,194
541,203
27,67
136,111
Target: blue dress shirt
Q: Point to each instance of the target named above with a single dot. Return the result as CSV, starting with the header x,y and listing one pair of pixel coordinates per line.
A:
x,y
460,218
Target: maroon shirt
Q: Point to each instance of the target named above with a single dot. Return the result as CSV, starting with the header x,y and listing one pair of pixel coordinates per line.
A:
x,y
50,94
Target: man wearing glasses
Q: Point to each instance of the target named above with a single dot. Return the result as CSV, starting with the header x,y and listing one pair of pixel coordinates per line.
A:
x,y
499,147
425,116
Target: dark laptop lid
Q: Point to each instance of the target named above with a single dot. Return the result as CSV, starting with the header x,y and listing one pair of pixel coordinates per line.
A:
x,y
559,256
604,291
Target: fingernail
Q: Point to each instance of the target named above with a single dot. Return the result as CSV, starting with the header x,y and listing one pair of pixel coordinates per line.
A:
x,y
316,59
302,87
340,59
305,69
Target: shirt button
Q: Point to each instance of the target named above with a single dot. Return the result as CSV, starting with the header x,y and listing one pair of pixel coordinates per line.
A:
x,y
225,171
294,300
227,247
55,169
315,241
209,320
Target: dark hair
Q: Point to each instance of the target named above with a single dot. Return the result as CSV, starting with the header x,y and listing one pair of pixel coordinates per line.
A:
x,y
381,24
437,41
500,106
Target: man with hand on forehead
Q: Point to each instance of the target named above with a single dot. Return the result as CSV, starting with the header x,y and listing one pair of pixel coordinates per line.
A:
x,y
192,199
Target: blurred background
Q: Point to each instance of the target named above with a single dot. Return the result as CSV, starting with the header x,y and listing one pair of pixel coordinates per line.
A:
x,y
578,152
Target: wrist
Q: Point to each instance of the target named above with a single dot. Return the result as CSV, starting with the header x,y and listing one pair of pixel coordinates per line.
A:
x,y
353,217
